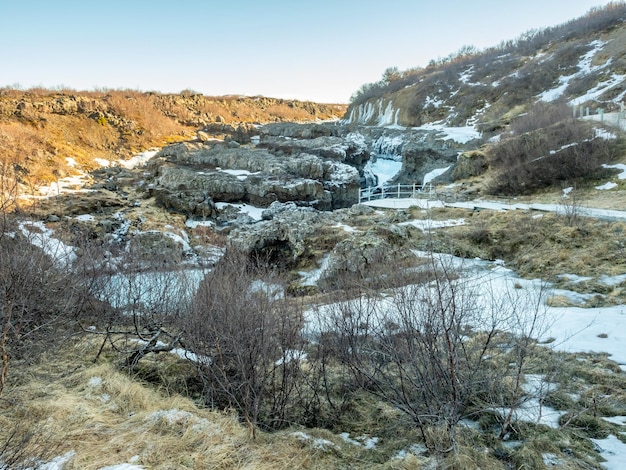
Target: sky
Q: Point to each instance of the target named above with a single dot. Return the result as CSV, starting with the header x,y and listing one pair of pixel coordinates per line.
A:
x,y
321,50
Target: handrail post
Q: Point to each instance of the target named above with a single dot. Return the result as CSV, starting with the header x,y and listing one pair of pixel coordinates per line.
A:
x,y
398,190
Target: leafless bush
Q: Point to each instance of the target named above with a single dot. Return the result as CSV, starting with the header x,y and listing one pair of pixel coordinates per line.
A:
x,y
434,350
40,294
542,115
570,207
246,336
24,450
141,304
556,155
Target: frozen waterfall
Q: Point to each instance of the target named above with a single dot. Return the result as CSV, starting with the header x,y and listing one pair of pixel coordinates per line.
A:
x,y
385,162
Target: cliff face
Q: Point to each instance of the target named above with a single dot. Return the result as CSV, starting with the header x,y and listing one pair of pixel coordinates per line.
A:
x,y
40,129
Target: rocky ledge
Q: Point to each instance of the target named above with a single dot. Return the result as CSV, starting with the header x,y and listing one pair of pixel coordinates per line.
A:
x,y
191,177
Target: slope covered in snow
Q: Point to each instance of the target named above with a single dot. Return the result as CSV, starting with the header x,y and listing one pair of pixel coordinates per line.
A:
x,y
581,62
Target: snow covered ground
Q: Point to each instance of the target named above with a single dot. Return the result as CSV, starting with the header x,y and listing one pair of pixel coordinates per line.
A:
x,y
604,214
576,329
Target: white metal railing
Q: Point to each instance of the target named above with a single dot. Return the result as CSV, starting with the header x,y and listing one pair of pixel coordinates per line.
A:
x,y
392,191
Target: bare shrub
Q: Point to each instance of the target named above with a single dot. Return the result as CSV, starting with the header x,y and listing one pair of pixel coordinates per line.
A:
x,y
40,294
434,349
246,336
541,115
142,303
24,450
555,155
571,207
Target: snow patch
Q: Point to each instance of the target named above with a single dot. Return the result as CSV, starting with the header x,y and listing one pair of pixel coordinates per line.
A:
x,y
365,441
619,420
604,134
431,175
102,162
311,278
317,443
95,381
584,68
240,174
254,212
198,223
461,135
618,166
613,451
42,237
602,87
609,185
414,449
291,355
427,224
139,160
56,463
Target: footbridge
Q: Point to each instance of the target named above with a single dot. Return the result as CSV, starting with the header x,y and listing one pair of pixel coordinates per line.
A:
x,y
394,191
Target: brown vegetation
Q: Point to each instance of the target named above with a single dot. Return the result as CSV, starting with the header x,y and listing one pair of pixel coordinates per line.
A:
x,y
547,147
40,129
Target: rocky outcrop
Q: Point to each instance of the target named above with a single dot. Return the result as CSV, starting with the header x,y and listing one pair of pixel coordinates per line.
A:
x,y
282,240
241,133
351,149
470,164
299,131
425,153
201,171
421,150
291,235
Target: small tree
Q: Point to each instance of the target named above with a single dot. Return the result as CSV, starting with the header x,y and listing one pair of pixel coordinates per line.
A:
x,y
141,304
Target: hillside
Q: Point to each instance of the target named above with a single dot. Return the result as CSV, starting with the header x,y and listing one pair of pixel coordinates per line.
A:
x,y
582,62
40,129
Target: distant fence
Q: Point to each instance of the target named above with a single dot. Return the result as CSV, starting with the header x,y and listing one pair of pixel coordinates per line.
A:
x,y
394,191
616,118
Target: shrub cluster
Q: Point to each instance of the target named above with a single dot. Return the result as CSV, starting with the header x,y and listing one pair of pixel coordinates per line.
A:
x,y
548,147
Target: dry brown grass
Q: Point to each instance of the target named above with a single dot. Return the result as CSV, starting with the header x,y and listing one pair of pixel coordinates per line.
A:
x,y
40,128
543,245
284,112
107,418
141,109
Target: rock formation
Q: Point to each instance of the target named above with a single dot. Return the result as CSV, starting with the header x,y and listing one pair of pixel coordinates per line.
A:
x,y
250,175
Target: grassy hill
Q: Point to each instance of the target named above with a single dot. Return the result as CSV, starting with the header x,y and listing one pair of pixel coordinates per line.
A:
x,y
40,129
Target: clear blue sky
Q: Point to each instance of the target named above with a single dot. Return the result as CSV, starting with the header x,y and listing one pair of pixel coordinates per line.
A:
x,y
321,50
